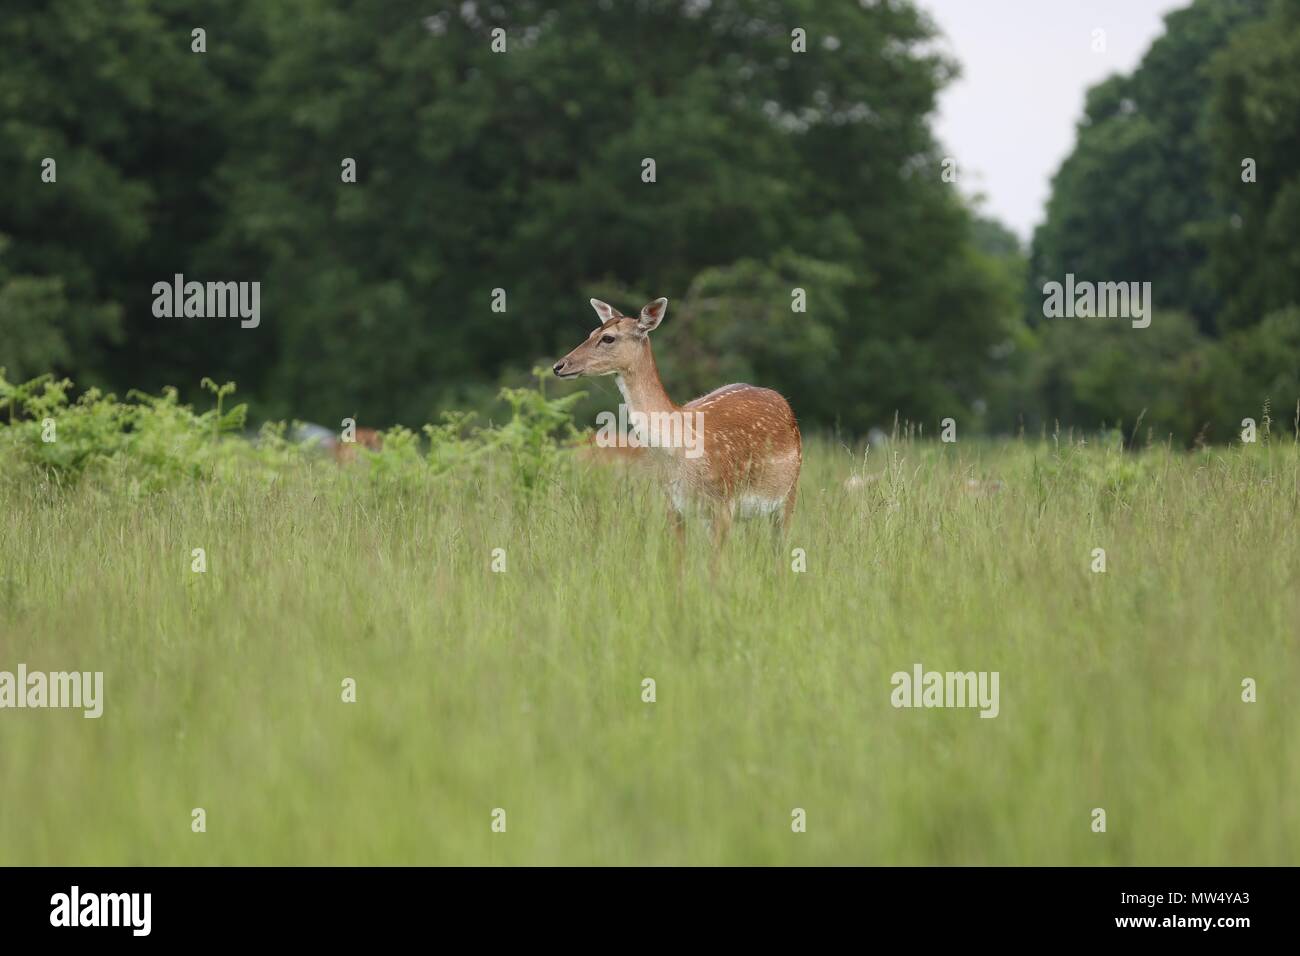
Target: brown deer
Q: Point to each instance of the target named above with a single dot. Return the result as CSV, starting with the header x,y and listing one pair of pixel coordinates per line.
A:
x,y
735,452
345,452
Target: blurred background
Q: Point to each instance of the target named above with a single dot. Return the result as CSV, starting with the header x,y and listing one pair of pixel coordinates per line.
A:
x,y
775,170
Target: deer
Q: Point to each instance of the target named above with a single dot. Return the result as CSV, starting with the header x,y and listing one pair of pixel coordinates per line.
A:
x,y
329,441
740,450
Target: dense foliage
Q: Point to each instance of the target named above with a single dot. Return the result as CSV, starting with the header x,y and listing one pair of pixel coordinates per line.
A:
x,y
496,191
1186,174
149,443
479,170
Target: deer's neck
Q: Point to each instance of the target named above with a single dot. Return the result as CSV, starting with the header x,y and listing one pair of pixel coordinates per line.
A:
x,y
642,390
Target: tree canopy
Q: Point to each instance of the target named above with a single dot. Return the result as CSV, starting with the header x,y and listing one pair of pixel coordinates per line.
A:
x,y
1185,174
791,149
429,195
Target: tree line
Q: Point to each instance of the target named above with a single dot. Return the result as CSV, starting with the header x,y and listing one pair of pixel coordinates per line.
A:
x,y
428,196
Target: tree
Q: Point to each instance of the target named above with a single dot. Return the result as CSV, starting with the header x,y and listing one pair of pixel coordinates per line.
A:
x,y
1254,121
523,171
1131,200
502,158
1155,190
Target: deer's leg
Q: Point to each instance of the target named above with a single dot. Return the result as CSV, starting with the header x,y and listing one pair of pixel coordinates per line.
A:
x,y
678,522
787,512
780,523
777,524
720,520
721,523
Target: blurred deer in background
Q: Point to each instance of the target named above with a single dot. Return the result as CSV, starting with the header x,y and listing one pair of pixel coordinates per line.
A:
x,y
329,441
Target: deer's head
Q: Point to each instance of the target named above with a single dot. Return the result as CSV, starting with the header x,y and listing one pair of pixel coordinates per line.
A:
x,y
615,346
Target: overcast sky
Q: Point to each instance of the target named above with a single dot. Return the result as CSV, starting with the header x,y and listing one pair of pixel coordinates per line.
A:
x,y
1026,64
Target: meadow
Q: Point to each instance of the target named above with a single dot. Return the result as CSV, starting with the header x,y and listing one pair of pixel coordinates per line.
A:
x,y
513,679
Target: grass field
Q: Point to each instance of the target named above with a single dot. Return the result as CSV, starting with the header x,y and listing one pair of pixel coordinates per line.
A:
x,y
522,690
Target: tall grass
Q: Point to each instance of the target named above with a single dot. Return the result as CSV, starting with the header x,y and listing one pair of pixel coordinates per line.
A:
x,y
522,690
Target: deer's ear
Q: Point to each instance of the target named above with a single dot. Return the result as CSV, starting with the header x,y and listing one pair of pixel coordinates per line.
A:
x,y
652,315
605,311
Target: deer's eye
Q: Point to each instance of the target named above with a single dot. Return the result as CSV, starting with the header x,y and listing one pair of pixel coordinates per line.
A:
x,y
606,339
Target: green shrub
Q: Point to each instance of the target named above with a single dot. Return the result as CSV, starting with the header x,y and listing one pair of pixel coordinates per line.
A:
x,y
150,442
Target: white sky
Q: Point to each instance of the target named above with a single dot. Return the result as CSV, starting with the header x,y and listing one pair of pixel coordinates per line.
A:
x,y
1026,65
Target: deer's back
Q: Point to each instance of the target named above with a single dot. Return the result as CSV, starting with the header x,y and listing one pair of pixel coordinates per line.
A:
x,y
752,445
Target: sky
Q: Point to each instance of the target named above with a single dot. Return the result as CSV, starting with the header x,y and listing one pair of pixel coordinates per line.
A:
x,y
1026,65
